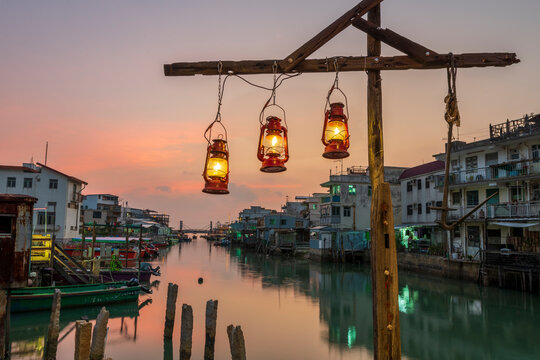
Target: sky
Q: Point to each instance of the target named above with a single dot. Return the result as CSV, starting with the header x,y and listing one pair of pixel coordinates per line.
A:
x,y
88,78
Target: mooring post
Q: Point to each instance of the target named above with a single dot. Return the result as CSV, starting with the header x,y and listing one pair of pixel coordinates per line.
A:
x,y
83,337
186,332
139,256
127,244
384,272
167,349
54,327
83,242
3,328
99,336
172,293
236,342
91,256
211,320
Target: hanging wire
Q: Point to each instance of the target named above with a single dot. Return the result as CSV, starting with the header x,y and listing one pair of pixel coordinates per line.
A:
x,y
278,80
335,86
217,119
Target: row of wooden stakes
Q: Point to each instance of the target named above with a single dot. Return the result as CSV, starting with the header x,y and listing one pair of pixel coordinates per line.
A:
x,y
235,334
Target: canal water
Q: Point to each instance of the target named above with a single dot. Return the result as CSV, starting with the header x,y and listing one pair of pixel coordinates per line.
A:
x,y
297,309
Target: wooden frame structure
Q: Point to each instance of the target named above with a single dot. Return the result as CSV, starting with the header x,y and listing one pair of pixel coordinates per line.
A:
x,y
386,330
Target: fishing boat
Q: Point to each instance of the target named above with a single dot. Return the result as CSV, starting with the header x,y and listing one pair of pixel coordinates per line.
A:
x,y
40,298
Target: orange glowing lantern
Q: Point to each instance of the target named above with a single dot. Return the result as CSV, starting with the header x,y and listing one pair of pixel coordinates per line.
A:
x,y
273,148
216,169
335,134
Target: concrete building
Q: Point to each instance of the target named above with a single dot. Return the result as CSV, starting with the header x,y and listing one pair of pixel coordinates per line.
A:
x,y
421,188
506,164
104,209
313,204
58,208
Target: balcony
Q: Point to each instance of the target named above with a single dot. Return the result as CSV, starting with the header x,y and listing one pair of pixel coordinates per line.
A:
x,y
498,211
504,171
333,198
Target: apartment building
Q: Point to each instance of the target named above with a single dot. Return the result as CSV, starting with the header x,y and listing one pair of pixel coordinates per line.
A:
x,y
104,209
57,210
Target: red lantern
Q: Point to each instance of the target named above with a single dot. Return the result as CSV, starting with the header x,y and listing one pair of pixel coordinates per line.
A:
x,y
216,169
335,134
273,148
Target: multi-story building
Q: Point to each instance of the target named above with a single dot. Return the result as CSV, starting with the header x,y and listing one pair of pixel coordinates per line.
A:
x,y
347,204
505,166
313,203
421,190
57,210
104,209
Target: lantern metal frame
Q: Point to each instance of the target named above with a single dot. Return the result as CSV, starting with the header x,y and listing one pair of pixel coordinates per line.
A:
x,y
273,163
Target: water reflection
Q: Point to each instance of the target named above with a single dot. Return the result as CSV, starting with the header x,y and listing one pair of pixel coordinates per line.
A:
x,y
440,319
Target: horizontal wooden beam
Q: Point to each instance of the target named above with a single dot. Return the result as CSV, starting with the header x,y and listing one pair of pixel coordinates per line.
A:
x,y
291,61
352,63
416,51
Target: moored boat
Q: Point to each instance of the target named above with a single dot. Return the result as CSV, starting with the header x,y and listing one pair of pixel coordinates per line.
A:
x,y
40,298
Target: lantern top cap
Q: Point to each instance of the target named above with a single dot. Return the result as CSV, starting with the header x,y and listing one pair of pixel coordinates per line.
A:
x,y
273,118
337,104
219,140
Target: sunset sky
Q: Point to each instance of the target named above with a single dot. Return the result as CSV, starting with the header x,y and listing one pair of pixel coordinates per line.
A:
x,y
88,78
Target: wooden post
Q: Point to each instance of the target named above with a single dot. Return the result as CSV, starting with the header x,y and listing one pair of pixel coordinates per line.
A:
x,y
91,256
186,332
170,312
127,244
97,348
54,328
384,272
83,242
3,327
236,342
530,281
211,320
139,257
83,337
167,349
51,260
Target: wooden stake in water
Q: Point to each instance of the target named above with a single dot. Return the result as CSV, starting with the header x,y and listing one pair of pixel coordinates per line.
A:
x,y
97,348
211,320
186,332
83,337
3,313
54,328
172,294
236,342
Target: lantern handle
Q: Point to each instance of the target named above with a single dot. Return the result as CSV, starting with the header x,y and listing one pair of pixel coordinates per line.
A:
x,y
266,106
335,86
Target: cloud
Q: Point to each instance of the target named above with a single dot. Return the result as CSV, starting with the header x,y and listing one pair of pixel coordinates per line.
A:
x,y
163,188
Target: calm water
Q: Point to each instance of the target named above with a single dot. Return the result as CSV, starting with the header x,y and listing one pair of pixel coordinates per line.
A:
x,y
295,309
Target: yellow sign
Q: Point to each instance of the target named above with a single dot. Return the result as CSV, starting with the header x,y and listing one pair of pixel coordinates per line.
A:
x,y
41,248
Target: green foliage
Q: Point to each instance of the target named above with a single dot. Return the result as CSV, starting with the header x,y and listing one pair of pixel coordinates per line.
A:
x,y
115,264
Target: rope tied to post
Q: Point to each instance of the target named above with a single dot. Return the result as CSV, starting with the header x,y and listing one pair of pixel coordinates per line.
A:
x,y
451,114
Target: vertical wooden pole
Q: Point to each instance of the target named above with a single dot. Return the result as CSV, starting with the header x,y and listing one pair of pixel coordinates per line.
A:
x,y
91,256
236,342
3,328
384,273
186,332
83,337
172,294
139,256
83,242
211,320
54,328
99,336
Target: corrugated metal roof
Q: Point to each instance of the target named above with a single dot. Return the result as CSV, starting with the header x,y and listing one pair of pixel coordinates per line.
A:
x,y
422,169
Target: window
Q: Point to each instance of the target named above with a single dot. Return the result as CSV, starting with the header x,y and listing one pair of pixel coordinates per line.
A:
x,y
11,182
472,198
456,198
346,211
492,159
53,184
27,183
535,152
516,193
454,164
335,210
419,184
428,210
409,210
352,189
473,236
283,222
96,214
513,154
336,189
457,232
409,186
427,183
74,192
369,190
420,209
314,207
42,215
471,163
272,221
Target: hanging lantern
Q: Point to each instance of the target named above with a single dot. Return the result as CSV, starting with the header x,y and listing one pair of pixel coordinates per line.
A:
x,y
273,148
335,132
216,169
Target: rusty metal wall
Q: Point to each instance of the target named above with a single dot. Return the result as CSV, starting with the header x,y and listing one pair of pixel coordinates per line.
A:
x,y
15,247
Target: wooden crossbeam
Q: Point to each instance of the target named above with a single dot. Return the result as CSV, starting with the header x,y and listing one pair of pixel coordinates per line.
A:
x,y
398,42
350,63
291,61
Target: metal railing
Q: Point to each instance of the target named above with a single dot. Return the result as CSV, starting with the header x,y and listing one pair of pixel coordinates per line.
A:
x,y
494,211
508,170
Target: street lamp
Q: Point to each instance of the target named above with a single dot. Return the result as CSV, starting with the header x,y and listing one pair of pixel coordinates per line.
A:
x,y
273,149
